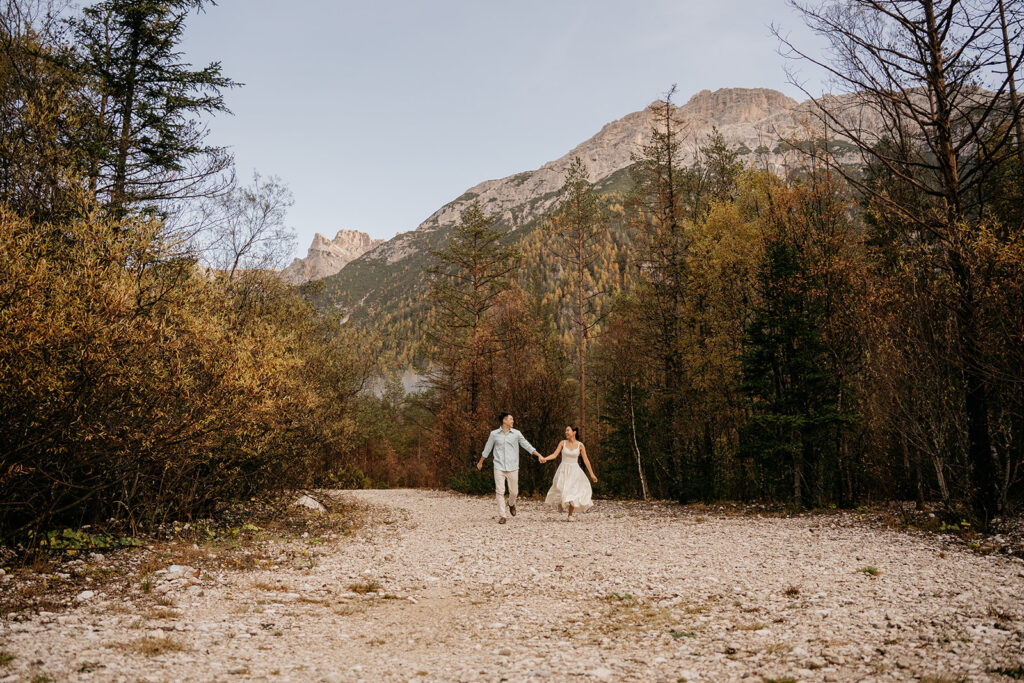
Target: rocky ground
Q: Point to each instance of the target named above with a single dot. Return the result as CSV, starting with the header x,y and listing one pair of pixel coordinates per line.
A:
x,y
429,587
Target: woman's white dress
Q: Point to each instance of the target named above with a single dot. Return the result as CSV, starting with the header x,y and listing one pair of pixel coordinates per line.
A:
x,y
570,484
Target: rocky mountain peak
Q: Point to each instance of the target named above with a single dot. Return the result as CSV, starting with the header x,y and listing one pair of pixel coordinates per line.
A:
x,y
328,256
728,106
748,118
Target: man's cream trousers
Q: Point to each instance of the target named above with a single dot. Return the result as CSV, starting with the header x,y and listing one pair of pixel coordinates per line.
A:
x,y
500,477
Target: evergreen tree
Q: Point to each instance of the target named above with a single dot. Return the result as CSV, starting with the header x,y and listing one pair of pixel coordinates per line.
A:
x,y
786,380
467,278
658,212
153,147
578,226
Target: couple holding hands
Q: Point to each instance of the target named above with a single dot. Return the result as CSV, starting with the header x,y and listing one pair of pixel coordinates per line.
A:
x,y
570,489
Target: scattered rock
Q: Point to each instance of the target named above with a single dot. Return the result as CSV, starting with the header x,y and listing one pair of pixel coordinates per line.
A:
x,y
310,503
180,571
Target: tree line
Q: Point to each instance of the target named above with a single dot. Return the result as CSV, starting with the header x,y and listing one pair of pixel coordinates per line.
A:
x,y
831,334
834,334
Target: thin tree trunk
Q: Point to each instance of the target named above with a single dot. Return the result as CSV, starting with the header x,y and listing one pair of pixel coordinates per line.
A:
x,y
939,474
798,473
104,101
582,333
636,446
1012,82
119,195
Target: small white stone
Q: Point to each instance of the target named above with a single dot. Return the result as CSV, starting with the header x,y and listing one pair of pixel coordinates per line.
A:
x,y
310,504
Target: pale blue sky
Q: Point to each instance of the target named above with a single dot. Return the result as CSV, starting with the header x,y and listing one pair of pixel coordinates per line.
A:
x,y
377,113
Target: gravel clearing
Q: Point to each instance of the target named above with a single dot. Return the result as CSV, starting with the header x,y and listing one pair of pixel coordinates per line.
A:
x,y
432,588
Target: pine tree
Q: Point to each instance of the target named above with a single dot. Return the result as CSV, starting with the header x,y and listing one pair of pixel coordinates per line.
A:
x,y
786,379
658,215
466,280
153,148
579,229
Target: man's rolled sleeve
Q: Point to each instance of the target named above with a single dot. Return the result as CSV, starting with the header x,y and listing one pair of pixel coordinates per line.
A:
x,y
489,447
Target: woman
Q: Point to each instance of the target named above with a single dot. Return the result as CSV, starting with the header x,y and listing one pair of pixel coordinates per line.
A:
x,y
570,488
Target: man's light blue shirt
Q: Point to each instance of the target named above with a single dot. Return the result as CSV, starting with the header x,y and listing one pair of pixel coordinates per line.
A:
x,y
505,446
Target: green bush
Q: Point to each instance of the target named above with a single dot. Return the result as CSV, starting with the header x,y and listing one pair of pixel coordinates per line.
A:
x,y
473,482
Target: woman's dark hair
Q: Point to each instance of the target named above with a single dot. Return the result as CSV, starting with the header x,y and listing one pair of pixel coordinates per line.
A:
x,y
575,432
502,416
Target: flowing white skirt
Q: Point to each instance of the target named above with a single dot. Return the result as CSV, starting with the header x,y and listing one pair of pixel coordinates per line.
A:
x,y
570,485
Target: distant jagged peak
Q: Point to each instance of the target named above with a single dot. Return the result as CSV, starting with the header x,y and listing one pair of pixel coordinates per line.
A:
x,y
327,256
737,105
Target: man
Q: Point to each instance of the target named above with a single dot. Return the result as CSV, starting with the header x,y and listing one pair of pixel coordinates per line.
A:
x,y
505,443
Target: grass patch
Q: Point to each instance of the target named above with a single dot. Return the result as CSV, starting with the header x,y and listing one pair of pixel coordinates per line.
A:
x,y
682,634
162,613
754,626
262,585
1001,614
784,679
152,647
314,601
870,571
1016,673
347,610
6,658
365,587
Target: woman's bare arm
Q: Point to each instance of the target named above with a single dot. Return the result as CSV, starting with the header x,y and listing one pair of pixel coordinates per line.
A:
x,y
555,454
586,461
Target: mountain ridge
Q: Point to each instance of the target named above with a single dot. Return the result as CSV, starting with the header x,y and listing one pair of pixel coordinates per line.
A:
x,y
755,121
744,116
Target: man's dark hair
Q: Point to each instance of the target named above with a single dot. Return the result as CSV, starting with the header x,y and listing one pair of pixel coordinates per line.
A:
x,y
502,416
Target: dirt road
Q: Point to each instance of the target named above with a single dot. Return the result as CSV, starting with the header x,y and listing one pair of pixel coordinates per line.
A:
x,y
434,589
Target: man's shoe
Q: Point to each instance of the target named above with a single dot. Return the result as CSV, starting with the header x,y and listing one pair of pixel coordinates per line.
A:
x,y
512,509
502,520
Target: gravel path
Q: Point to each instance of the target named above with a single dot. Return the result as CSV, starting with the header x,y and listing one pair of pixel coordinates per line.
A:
x,y
434,589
